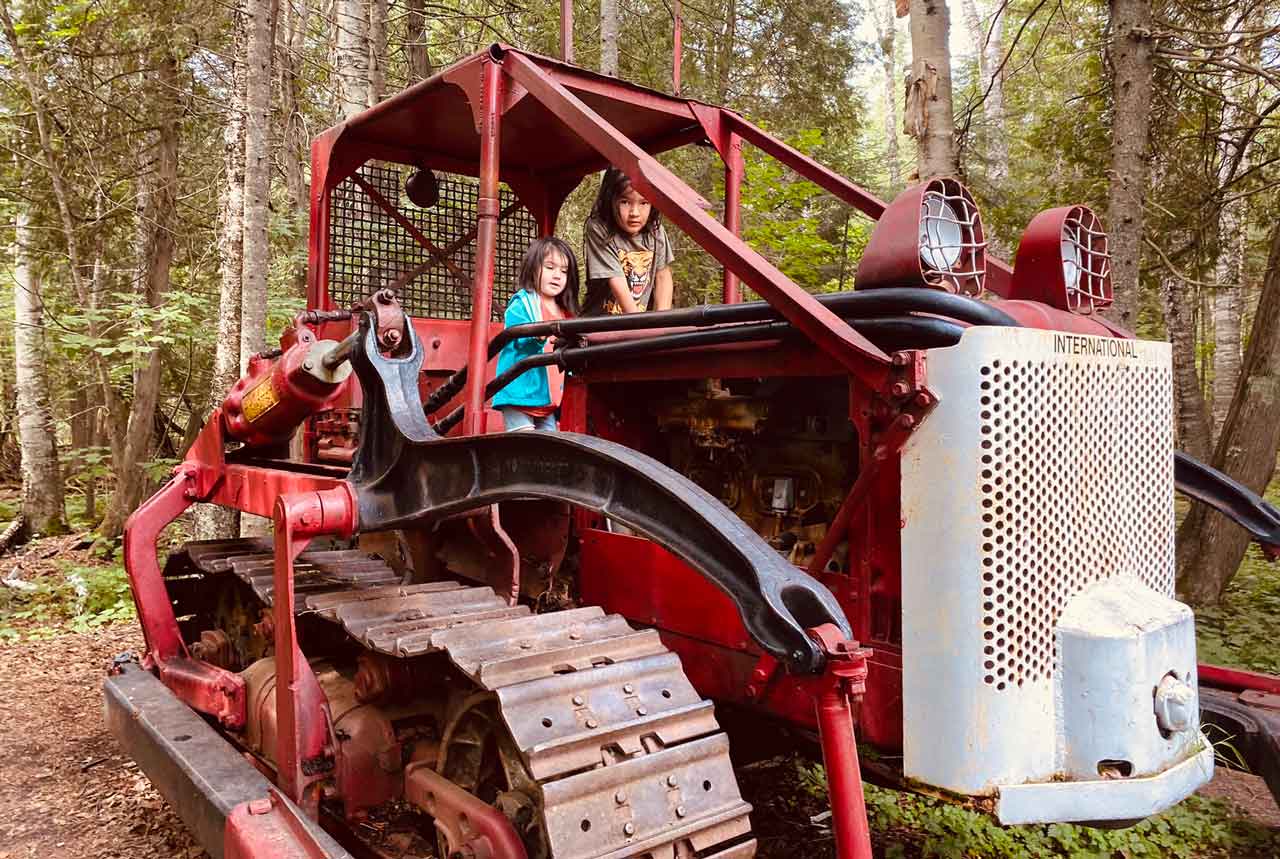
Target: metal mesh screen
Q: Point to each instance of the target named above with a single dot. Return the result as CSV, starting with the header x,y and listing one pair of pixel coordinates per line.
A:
x,y
370,249
1076,473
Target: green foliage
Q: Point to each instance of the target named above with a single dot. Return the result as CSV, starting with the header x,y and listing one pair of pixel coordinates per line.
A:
x,y
77,600
1241,630
911,825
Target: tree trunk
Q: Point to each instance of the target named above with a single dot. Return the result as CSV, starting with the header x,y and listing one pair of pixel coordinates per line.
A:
x,y
415,41
352,56
156,219
989,45
257,190
886,35
1228,305
609,37
1210,546
212,522
41,477
928,114
293,130
1191,416
1132,68
89,294
257,180
377,51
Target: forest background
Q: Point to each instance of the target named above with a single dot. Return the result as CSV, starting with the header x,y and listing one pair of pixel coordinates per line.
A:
x,y
154,186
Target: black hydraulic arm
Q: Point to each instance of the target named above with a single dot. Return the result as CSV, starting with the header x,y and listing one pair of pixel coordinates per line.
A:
x,y
404,472
1230,498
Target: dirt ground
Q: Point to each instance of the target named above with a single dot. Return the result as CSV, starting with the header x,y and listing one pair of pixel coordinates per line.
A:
x,y
66,791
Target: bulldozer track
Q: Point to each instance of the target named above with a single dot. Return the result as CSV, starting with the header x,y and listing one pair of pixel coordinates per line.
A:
x,y
629,759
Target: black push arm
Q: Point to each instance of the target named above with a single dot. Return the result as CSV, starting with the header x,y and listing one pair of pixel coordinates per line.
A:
x,y
1232,499
404,472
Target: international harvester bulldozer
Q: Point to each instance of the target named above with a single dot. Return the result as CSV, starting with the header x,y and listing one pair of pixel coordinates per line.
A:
x,y
935,513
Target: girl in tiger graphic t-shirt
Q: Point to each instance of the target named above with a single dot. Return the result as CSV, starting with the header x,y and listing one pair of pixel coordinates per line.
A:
x,y
626,250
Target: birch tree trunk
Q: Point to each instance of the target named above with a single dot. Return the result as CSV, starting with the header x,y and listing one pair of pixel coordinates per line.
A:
x,y
212,522
1132,68
609,37
87,294
1210,546
257,179
989,45
1190,414
928,115
293,130
1228,307
41,478
1229,271
352,56
156,218
882,13
415,42
377,51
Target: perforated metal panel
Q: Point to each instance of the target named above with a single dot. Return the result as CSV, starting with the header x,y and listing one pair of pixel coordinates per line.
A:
x,y
371,249
1075,471
1046,468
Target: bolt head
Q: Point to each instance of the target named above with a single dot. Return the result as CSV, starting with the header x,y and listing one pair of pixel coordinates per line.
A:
x,y
900,389
628,828
577,700
681,811
628,688
592,723
642,711
1175,705
671,781
620,798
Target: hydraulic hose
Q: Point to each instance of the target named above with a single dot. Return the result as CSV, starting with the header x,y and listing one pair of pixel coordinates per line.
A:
x,y
849,305
890,333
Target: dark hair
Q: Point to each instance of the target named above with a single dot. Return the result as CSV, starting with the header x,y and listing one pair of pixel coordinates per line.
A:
x,y
612,186
531,271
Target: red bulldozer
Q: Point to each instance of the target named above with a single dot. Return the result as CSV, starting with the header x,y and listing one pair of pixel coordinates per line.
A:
x,y
934,512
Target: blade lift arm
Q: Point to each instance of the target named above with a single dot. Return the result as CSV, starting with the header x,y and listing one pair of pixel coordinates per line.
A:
x,y
405,472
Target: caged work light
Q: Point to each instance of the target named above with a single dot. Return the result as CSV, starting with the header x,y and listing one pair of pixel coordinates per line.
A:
x,y
930,235
1063,260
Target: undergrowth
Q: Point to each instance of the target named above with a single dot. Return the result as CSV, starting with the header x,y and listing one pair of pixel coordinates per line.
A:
x,y
78,599
911,825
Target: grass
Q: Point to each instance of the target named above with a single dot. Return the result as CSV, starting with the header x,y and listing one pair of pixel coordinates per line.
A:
x,y
1196,828
1240,632
76,598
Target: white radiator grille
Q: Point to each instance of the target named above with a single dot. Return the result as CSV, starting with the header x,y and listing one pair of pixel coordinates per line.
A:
x,y
1075,478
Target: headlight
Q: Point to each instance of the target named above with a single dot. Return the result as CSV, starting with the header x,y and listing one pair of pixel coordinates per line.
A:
x,y
930,235
1063,261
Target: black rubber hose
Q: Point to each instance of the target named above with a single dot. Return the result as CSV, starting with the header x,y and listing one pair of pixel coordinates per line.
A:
x,y
891,333
859,305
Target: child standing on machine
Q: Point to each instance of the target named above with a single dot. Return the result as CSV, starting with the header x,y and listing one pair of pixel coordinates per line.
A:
x,y
628,255
547,289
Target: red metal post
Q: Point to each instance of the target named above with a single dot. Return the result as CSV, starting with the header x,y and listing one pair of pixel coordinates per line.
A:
x,y
486,245
566,30
303,753
677,46
733,169
845,680
155,610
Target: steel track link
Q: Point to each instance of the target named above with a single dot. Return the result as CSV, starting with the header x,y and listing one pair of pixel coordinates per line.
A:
x,y
630,760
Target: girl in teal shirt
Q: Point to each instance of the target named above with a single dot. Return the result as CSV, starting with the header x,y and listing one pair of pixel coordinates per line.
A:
x,y
547,289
